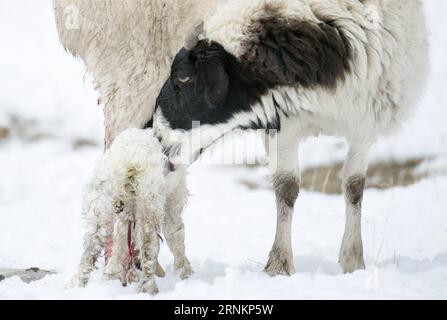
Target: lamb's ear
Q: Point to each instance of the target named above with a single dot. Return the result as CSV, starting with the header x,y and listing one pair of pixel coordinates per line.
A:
x,y
216,83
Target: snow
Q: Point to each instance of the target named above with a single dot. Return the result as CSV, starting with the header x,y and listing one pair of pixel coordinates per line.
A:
x,y
230,228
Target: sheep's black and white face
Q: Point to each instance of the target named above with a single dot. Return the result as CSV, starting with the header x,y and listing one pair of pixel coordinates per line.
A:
x,y
207,86
208,91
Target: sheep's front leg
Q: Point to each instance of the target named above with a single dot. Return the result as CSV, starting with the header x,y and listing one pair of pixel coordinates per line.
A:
x,y
354,178
286,181
174,228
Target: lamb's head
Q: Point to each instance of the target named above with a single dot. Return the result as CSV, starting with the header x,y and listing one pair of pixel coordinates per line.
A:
x,y
209,92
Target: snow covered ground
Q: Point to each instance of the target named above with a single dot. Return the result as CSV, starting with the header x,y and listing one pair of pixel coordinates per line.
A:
x,y
55,137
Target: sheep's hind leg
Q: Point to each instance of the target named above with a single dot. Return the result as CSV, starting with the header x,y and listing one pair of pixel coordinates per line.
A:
x,y
354,178
286,181
174,228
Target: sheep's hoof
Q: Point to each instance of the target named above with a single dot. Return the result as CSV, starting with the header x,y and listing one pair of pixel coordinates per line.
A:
x,y
183,269
149,287
351,263
280,264
160,272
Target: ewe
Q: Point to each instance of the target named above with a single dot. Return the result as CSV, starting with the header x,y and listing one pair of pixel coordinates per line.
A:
x,y
347,68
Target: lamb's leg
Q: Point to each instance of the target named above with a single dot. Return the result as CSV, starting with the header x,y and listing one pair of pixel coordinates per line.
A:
x,y
149,245
174,228
286,181
354,178
119,262
94,241
160,272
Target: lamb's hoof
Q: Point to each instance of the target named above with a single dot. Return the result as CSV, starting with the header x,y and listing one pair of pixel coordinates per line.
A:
x,y
183,269
280,264
149,287
160,272
115,271
111,276
78,281
351,263
130,277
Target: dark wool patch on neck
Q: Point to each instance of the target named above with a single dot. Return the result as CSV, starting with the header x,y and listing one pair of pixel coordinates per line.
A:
x,y
291,53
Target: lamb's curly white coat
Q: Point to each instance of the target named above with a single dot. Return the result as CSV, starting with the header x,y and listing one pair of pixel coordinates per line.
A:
x,y
129,188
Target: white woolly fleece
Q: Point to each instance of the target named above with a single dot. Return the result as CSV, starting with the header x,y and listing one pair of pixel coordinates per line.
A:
x,y
390,64
127,203
128,47
132,169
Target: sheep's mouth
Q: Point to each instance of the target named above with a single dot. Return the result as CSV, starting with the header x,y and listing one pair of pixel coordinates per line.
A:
x,y
175,150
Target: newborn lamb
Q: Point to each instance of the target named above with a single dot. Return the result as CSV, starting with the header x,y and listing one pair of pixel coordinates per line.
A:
x,y
124,208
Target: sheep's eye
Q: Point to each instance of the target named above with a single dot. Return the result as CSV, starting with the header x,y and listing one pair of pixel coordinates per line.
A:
x,y
185,79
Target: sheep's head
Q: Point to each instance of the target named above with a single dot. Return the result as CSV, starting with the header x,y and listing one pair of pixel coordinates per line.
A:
x,y
197,88
208,89
203,94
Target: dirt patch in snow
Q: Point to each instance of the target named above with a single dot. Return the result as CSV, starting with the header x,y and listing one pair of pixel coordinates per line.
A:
x,y
382,175
26,275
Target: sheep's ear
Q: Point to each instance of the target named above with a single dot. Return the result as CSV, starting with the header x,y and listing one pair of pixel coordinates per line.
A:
x,y
216,83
